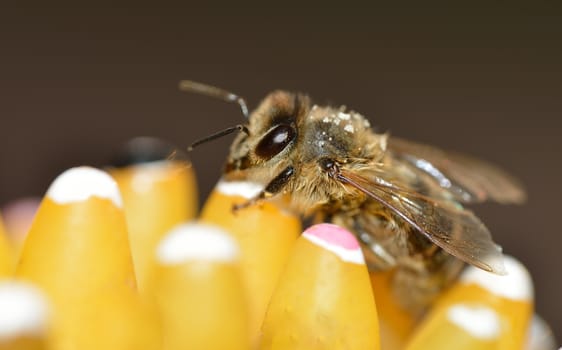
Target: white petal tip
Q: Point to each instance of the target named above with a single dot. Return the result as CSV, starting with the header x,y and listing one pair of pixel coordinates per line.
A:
x,y
336,240
245,189
81,183
515,284
196,241
479,321
23,310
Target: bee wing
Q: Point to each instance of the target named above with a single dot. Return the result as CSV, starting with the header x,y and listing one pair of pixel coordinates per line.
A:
x,y
468,179
458,231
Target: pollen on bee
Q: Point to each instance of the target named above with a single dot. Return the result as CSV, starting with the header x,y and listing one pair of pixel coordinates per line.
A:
x,y
349,128
344,116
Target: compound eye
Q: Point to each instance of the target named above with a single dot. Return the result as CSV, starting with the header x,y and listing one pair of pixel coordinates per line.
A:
x,y
275,141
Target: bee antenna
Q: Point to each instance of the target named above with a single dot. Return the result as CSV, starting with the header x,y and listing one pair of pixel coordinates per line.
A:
x,y
219,134
213,91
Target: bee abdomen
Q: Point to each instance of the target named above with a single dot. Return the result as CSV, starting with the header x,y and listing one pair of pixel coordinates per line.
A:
x,y
420,270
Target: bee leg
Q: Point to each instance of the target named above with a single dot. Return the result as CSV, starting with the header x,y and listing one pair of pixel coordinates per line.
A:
x,y
330,166
272,188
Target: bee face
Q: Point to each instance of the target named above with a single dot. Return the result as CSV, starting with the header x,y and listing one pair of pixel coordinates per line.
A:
x,y
272,133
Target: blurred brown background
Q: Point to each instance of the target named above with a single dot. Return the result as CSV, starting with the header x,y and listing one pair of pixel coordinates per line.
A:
x,y
75,83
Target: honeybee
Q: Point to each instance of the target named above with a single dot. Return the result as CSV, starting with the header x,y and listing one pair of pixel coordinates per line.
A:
x,y
403,200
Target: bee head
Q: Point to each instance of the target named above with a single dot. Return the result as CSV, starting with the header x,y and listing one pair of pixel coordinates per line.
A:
x,y
273,130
